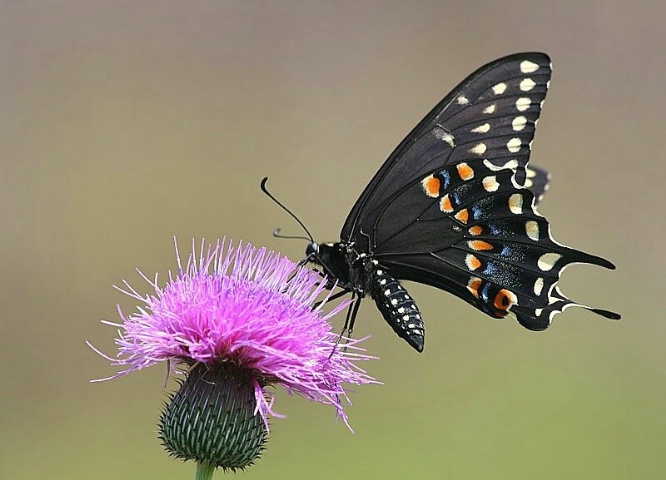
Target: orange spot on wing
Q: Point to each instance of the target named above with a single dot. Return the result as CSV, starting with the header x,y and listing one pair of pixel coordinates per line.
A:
x,y
462,215
465,171
431,186
473,286
479,245
504,300
476,230
445,204
472,262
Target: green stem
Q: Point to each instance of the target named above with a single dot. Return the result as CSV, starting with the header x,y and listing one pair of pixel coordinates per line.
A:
x,y
204,471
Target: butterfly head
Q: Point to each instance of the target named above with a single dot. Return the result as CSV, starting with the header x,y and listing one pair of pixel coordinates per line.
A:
x,y
312,251
331,258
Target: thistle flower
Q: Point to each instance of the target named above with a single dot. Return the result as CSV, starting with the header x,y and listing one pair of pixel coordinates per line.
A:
x,y
235,321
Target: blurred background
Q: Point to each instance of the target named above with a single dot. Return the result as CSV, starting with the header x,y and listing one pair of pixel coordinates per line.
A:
x,y
126,123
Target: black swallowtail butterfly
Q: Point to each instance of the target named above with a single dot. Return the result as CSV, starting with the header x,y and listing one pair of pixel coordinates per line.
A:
x,y
454,207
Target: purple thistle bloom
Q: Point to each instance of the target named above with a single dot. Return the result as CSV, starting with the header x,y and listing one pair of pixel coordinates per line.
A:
x,y
247,313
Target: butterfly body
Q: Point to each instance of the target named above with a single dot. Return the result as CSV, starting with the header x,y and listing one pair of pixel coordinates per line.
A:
x,y
361,274
454,207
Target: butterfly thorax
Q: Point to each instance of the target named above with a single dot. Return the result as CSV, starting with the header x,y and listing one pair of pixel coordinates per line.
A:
x,y
343,264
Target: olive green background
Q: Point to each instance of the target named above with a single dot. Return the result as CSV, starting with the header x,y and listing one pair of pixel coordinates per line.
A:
x,y
126,123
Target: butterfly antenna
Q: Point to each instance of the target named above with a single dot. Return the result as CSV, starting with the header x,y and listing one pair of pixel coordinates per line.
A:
x,y
276,232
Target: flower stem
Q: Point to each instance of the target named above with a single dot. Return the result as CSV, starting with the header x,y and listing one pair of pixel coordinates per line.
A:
x,y
204,471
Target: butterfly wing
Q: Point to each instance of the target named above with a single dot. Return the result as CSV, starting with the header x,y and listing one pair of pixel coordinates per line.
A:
x,y
454,205
499,102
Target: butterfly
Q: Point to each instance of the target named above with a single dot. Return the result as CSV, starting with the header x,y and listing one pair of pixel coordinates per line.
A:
x,y
454,207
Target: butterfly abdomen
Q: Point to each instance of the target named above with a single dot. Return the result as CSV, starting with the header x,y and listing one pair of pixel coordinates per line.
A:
x,y
398,308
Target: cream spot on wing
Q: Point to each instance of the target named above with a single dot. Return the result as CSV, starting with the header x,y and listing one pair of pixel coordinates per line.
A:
x,y
527,84
448,138
510,165
516,203
532,230
485,128
490,184
479,148
528,67
519,123
548,260
514,145
538,286
499,89
490,109
523,103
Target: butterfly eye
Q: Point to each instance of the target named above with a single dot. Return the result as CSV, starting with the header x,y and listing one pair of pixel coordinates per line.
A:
x,y
312,250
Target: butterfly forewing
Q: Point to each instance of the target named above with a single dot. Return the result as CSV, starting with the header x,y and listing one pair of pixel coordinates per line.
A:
x,y
491,115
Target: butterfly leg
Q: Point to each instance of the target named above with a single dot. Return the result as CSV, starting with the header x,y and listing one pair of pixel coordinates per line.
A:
x,y
335,296
351,315
352,311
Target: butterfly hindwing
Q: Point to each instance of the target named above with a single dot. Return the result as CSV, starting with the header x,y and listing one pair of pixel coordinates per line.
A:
x,y
487,244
